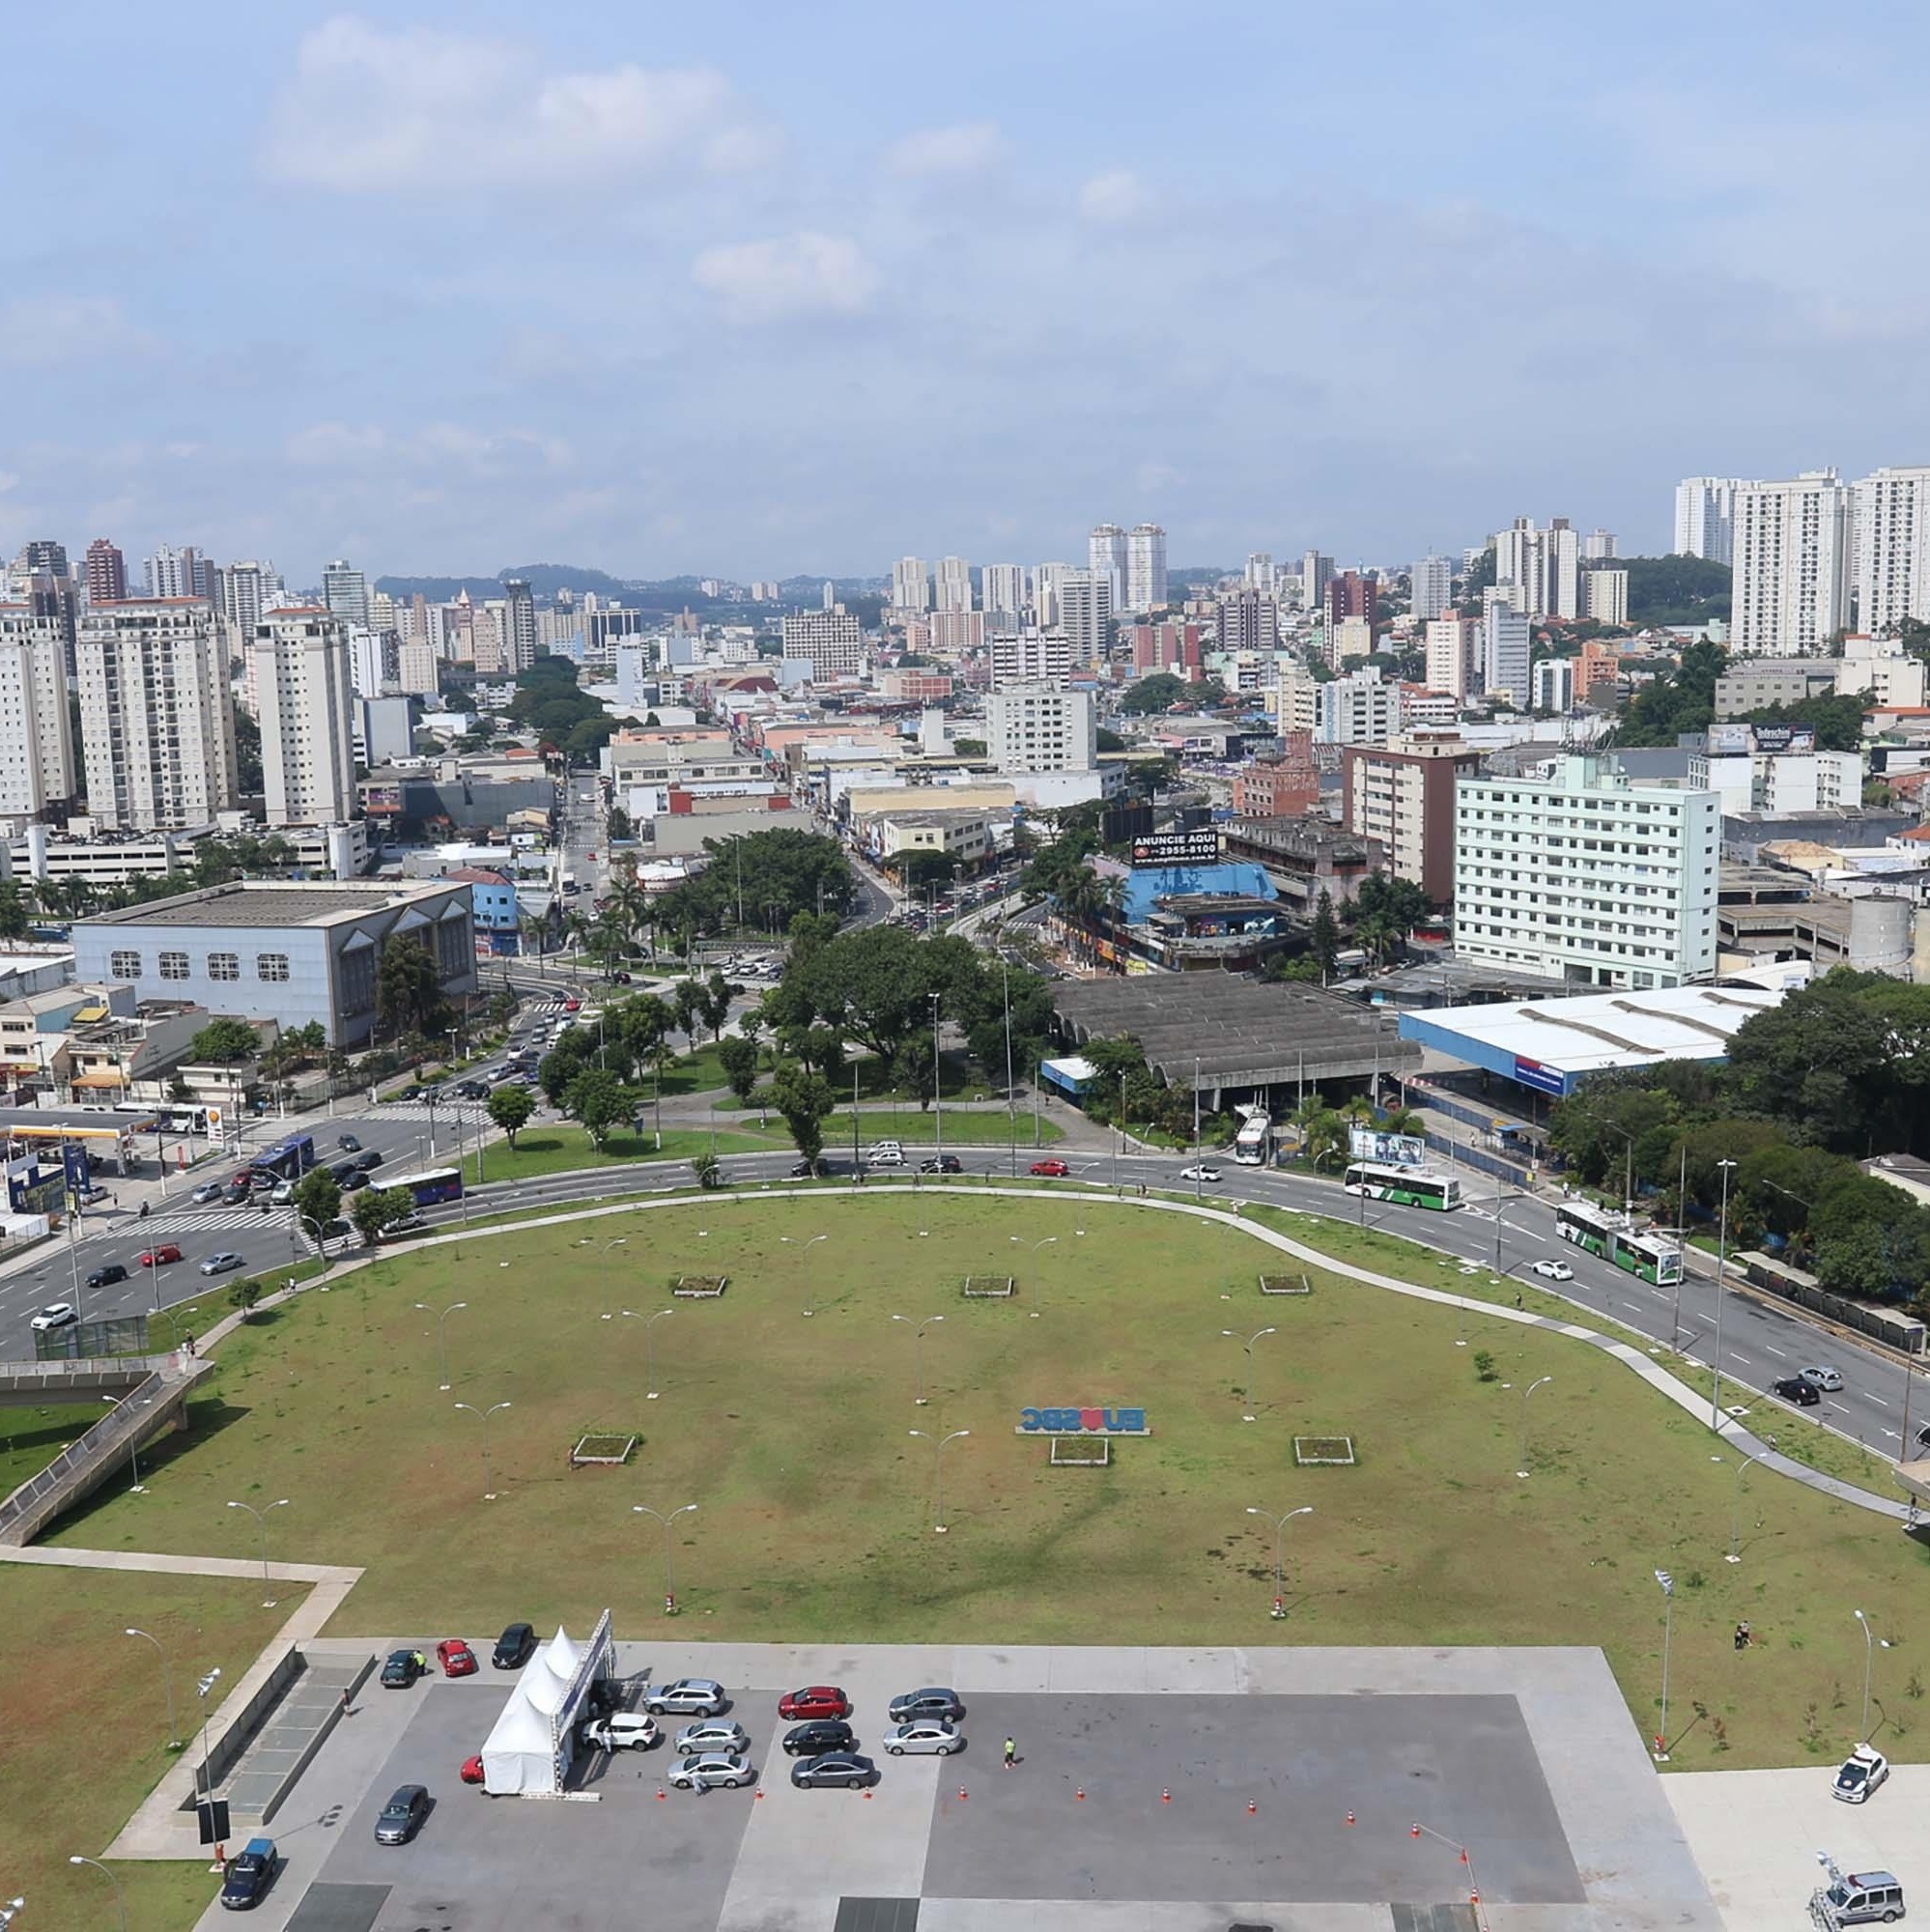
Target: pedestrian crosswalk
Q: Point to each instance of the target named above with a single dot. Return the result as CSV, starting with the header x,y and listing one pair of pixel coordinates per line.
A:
x,y
444,1111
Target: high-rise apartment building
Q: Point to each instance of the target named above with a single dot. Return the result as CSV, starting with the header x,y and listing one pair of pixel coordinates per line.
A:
x,y
1145,568
247,589
1317,571
1349,594
1433,587
1597,546
911,586
345,590
832,639
1454,658
1046,581
1030,657
1587,878
156,719
1705,517
106,572
1542,565
953,585
1258,571
1004,592
418,667
1605,595
1553,686
1106,556
299,664
35,731
1402,793
1038,728
371,653
1791,593
1249,621
1361,708
518,624
173,573
1086,613
1893,537
1507,649
954,632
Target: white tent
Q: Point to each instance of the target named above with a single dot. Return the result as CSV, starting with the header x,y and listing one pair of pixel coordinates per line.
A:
x,y
517,1758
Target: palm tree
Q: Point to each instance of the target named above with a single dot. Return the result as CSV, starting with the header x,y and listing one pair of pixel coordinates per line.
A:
x,y
535,929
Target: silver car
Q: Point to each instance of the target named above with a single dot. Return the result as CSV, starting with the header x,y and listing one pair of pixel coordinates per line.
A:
x,y
929,1737
687,1698
221,1263
710,1735
699,1774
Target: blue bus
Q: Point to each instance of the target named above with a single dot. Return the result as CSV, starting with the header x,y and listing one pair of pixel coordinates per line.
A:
x,y
288,1161
433,1184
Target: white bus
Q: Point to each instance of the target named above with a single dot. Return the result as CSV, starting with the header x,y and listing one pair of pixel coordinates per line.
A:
x,y
1603,1233
1409,1186
1253,1145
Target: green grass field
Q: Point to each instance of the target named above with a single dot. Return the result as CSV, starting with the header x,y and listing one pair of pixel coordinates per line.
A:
x,y
792,1434
86,1728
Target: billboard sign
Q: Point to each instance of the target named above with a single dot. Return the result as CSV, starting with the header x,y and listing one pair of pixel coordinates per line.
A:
x,y
1200,848
1543,1079
1392,1150
1728,741
1784,738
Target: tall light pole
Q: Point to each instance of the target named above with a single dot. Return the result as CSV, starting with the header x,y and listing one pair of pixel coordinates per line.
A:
x,y
442,1335
1198,1179
1870,1643
1721,1268
937,1089
1667,1583
1012,1097
1251,1367
670,1569
1119,1145
1279,1523
260,1523
1050,1240
1525,1394
1742,1468
1501,1202
650,1323
121,1904
483,1415
167,1678
917,1330
807,1245
202,1687
938,1525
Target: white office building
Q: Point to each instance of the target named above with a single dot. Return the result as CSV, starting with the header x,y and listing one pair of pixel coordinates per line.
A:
x,y
1586,877
247,589
1004,592
1454,656
368,661
157,717
1037,728
36,733
1779,782
1259,572
1106,557
911,586
1507,646
1047,580
1361,708
1145,568
1433,587
831,640
1791,566
1316,572
953,585
1597,546
171,572
1030,656
1086,613
1705,517
298,660
1541,566
1893,555
345,590
1553,685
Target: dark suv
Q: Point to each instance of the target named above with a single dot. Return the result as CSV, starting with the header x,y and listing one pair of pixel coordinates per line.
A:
x,y
512,1647
932,1702
107,1277
1800,1390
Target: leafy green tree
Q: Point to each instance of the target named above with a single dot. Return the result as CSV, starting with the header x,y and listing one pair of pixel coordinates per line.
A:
x,y
224,1043
16,920
686,996
318,1200
559,1068
738,1056
409,989
510,1106
715,1004
803,1101
1676,589
1683,701
1323,937
242,1296
783,871
915,1069
598,1101
1838,721
376,1208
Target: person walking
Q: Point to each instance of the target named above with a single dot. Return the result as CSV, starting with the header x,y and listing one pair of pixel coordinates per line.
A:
x,y
1012,1753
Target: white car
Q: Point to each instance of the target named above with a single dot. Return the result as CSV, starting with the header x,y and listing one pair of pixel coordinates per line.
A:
x,y
208,1190
1826,1379
1555,1270
699,1774
622,1730
1862,1772
711,1735
55,1314
931,1737
1200,1173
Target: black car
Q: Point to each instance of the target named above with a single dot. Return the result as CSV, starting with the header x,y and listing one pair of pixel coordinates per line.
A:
x,y
400,1670
944,1163
933,1701
804,1170
472,1090
342,1171
352,1180
107,1277
820,1735
349,1144
249,1874
513,1647
402,1815
844,1770
370,1161
1800,1390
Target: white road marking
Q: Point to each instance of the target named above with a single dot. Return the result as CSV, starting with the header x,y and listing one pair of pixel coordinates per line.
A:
x,y
1777,1352
1636,1306
1878,1400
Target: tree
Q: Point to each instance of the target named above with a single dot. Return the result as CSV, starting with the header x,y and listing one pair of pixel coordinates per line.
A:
x,y
686,996
803,1101
715,1004
1323,939
738,1056
1683,701
224,1043
598,1101
510,1106
376,1208
318,1200
915,1067
1838,721
409,989
242,1296
16,922
1158,692
709,1171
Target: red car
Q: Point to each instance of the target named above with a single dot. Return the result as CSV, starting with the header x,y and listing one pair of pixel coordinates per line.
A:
x,y
1052,1170
573,1006
814,1700
456,1658
472,1771
156,1257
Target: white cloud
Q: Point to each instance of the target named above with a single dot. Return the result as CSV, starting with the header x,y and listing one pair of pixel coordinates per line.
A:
x,y
10,479
1116,196
369,111
442,447
807,273
967,148
45,331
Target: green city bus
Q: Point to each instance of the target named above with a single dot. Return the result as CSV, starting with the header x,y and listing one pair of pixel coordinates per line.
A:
x,y
1409,1186
1601,1234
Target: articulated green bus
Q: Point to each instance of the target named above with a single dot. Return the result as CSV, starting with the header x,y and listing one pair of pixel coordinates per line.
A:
x,y
1646,1255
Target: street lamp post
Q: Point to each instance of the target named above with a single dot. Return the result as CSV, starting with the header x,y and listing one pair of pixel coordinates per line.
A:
x,y
937,1089
1870,1643
483,1415
1721,1269
807,1245
1119,1145
1501,1202
669,1571
917,1330
1668,1585
1251,1367
167,1679
1011,1098
939,1525
260,1523
121,1904
1279,1523
1049,1241
1742,1468
442,1335
1525,1394
202,1687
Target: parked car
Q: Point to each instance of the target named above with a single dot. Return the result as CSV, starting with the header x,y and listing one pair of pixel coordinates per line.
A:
x,y
1199,1171
512,1647
160,1256
840,1770
933,1701
402,1815
1800,1390
1053,1169
687,1698
348,1143
820,1735
1828,1380
107,1277
622,1730
699,1774
222,1262
472,1770
55,1314
245,1882
925,1737
814,1700
456,1658
400,1670
711,1734
944,1163
208,1190
1861,1773
1552,1270
370,1161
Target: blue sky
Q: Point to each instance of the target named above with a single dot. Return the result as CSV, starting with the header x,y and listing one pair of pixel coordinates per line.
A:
x,y
760,289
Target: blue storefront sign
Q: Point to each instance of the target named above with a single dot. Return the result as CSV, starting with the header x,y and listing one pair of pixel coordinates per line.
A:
x,y
1543,1079
1083,1421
